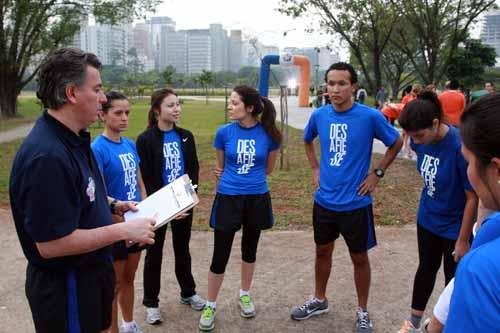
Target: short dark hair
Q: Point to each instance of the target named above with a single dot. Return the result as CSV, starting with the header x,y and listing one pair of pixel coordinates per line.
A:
x,y
490,82
479,126
420,113
112,96
454,84
343,66
64,66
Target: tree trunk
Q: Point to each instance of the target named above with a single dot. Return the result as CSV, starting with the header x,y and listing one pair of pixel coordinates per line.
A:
x,y
8,98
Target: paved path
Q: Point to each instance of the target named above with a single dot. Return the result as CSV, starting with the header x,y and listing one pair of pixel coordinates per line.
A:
x,y
283,279
16,133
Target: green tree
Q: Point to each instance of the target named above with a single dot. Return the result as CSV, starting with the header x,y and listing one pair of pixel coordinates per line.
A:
x,y
438,27
114,76
365,25
168,75
134,63
31,29
205,79
469,62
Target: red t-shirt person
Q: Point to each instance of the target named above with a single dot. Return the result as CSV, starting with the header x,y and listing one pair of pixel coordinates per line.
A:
x,y
453,103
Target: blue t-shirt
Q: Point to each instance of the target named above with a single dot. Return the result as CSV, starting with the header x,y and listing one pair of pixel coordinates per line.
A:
x,y
245,158
444,172
488,231
346,140
119,165
173,159
475,302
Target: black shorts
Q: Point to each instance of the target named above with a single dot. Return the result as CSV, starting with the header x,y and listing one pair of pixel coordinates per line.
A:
x,y
356,226
77,300
120,250
230,212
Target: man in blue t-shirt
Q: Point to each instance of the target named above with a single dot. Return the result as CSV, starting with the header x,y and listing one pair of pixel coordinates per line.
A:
x,y
342,201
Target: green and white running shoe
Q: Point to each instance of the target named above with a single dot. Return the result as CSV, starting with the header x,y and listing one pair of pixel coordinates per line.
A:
x,y
207,320
247,307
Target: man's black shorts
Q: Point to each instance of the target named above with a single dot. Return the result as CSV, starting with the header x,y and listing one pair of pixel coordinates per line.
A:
x,y
356,226
76,300
230,212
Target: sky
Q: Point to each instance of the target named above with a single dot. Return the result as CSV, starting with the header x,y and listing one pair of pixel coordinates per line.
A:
x,y
256,18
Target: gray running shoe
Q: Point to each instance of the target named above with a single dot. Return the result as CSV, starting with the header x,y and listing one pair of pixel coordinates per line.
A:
x,y
197,303
247,307
312,307
153,316
207,319
363,322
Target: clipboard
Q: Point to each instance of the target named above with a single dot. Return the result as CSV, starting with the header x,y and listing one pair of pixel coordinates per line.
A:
x,y
168,202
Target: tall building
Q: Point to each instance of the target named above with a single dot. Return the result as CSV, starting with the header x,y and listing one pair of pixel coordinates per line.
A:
x,y
159,23
235,45
199,51
177,51
141,39
490,32
219,46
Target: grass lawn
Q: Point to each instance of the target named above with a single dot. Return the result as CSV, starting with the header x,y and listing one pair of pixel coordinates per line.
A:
x,y
395,201
28,111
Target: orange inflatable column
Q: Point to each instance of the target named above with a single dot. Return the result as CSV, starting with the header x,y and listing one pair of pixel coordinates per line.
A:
x,y
304,79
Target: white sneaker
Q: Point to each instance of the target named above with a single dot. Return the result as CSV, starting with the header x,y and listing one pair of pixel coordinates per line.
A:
x,y
196,302
153,316
134,328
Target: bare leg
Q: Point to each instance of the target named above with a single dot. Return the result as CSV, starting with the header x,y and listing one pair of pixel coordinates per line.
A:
x,y
126,295
247,270
214,284
323,267
362,277
119,267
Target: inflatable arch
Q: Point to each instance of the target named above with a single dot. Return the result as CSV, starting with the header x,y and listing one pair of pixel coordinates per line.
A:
x,y
287,60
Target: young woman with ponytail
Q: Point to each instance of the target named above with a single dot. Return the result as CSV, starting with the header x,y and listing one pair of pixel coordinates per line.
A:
x,y
246,152
167,152
448,203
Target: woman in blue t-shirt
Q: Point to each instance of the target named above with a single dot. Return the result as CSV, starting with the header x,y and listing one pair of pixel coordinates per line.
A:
x,y
119,164
475,302
448,204
246,152
167,152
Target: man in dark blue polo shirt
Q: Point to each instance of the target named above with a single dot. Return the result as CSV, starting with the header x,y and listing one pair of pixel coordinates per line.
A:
x,y
59,203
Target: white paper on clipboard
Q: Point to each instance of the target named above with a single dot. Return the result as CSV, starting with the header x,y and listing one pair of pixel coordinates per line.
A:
x,y
168,202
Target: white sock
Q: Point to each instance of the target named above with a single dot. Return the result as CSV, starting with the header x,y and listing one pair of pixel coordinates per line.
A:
x,y
319,300
128,325
213,305
243,293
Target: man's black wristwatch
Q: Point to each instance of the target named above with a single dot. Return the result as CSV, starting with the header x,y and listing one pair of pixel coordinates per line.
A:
x,y
379,173
112,206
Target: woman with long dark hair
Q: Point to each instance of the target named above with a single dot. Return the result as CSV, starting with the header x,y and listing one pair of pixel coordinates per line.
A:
x,y
246,152
167,152
448,203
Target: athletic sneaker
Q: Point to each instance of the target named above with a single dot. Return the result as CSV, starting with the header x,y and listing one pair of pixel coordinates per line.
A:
x,y
133,328
197,303
247,307
363,322
207,320
312,307
409,328
425,325
153,316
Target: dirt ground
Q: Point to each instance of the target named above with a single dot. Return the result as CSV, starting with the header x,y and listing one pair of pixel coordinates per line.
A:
x,y
283,278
